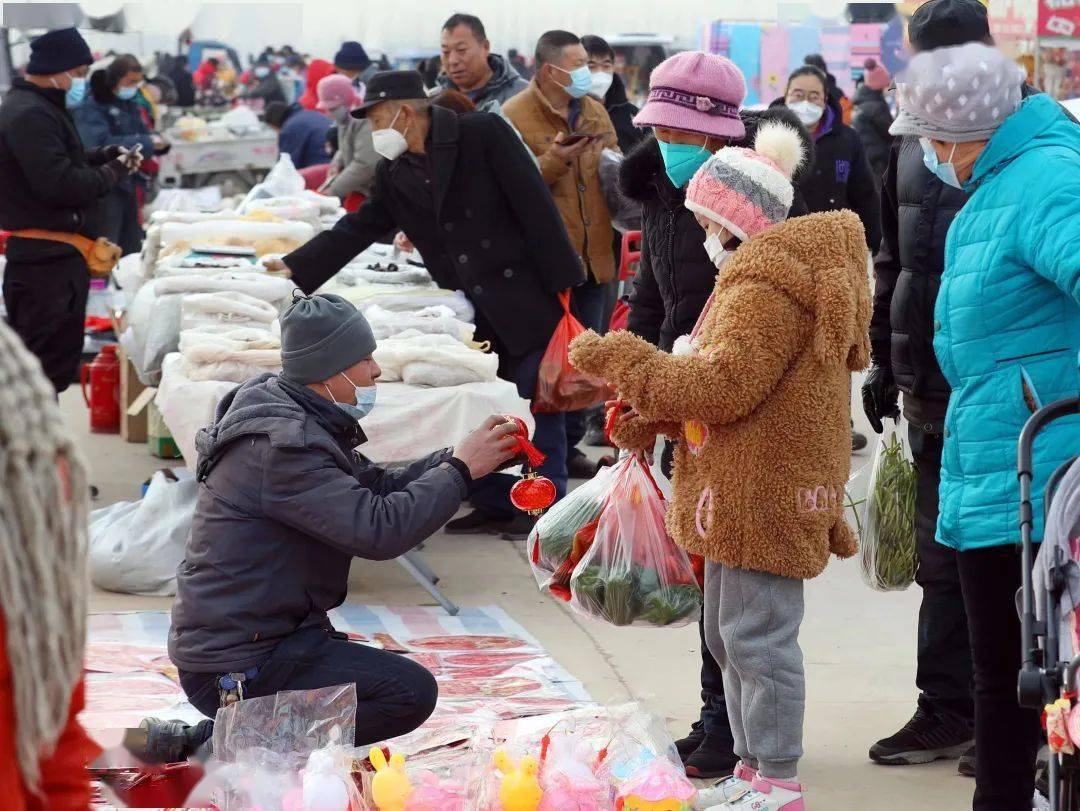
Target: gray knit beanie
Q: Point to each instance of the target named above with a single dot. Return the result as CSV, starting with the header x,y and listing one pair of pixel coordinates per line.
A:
x,y
322,336
958,94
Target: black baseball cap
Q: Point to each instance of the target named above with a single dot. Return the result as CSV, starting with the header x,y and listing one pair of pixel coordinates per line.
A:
x,y
390,85
944,23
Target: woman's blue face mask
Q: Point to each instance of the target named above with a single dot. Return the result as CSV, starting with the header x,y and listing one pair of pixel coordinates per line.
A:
x,y
682,160
945,172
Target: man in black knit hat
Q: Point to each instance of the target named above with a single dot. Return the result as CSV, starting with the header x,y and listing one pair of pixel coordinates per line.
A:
x,y
52,194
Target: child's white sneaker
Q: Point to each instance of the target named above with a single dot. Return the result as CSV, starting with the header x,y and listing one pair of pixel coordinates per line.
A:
x,y
768,794
727,789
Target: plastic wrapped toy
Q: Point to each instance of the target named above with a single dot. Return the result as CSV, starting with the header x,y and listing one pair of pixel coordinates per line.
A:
x,y
327,784
657,786
569,775
434,794
520,789
390,787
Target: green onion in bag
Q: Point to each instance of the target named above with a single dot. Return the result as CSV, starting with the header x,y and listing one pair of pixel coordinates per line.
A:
x,y
889,556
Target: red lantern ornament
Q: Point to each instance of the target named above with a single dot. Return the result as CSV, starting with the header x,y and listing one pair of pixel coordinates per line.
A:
x,y
531,494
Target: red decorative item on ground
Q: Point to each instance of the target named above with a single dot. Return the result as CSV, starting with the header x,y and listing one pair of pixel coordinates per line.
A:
x,y
532,493
103,375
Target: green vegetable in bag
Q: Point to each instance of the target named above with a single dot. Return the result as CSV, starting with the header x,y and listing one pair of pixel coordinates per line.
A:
x,y
671,604
891,543
622,602
588,586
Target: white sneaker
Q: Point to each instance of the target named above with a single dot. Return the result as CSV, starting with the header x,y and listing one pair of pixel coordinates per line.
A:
x,y
767,794
729,788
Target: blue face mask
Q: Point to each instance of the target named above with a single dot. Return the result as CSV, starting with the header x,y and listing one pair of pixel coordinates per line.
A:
x,y
76,93
580,81
126,93
681,161
945,172
365,400
262,73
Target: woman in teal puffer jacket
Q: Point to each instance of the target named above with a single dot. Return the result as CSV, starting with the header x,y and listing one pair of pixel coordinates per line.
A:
x,y
1007,337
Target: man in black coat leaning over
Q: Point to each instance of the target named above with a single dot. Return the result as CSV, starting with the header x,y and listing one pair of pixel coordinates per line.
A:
x,y
468,196
47,181
916,211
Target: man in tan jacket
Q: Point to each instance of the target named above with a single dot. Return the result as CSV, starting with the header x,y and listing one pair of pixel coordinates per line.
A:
x,y
567,130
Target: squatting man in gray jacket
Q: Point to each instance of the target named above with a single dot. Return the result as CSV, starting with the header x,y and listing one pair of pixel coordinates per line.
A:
x,y
284,505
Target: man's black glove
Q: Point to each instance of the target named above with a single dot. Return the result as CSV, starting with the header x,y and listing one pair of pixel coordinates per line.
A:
x,y
102,155
879,397
115,170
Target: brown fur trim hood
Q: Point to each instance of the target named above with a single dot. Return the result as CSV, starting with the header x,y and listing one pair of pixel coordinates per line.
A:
x,y
761,412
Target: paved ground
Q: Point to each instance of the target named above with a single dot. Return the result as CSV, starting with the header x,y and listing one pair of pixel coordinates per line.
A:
x,y
858,646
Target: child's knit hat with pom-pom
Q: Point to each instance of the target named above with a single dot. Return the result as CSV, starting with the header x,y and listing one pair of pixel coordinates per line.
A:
x,y
748,190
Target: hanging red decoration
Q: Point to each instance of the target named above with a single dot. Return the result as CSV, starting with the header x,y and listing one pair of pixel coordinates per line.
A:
x,y
532,493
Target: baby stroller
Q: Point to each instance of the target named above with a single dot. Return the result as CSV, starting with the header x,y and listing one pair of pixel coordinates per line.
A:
x,y
1050,593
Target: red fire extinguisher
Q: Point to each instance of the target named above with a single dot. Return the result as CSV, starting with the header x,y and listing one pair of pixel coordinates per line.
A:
x,y
103,400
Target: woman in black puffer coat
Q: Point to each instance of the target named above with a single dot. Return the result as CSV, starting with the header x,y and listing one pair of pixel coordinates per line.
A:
x,y
675,276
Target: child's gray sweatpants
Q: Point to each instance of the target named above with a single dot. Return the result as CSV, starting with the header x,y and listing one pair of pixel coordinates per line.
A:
x,y
752,624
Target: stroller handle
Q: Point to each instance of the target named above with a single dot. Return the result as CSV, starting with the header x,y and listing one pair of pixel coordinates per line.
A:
x,y
1033,687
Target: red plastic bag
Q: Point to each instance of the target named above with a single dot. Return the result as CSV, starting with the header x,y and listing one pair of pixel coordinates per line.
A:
x,y
559,386
633,573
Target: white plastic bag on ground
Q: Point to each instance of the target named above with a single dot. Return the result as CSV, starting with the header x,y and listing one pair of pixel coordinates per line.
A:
x,y
887,544
135,546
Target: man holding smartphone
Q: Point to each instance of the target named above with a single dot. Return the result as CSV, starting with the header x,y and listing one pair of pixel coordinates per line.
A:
x,y
567,129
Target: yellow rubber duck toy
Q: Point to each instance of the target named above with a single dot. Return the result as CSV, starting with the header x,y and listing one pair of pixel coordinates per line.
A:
x,y
390,787
520,789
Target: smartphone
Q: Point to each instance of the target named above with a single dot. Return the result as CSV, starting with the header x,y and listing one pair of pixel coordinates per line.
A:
x,y
577,137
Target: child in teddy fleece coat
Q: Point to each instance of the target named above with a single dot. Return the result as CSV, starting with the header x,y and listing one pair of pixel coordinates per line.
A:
x,y
759,404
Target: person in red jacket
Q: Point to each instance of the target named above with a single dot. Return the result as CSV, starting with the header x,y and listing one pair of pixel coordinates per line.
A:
x,y
317,70
44,498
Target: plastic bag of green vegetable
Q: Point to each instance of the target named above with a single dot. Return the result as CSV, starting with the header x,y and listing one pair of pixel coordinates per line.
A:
x,y
634,574
551,542
887,548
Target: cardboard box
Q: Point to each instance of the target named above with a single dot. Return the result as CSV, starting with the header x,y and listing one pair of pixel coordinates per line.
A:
x,y
132,406
159,439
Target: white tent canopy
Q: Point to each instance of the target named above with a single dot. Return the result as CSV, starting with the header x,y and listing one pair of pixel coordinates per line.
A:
x,y
319,26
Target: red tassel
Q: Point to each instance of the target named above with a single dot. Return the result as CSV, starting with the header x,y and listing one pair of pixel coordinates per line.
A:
x,y
532,453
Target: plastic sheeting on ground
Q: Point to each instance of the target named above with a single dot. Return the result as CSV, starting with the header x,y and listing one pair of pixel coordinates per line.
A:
x,y
408,421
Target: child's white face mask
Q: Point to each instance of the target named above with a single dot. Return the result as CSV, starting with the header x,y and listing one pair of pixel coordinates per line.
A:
x,y
714,246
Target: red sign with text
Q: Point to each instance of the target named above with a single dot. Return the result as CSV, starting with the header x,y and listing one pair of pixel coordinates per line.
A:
x,y
1059,18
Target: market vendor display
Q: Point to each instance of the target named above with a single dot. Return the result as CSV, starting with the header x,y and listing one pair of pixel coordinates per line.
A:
x,y
467,194
284,504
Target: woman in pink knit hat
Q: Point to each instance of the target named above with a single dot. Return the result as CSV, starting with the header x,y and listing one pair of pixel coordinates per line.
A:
x,y
871,117
757,399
